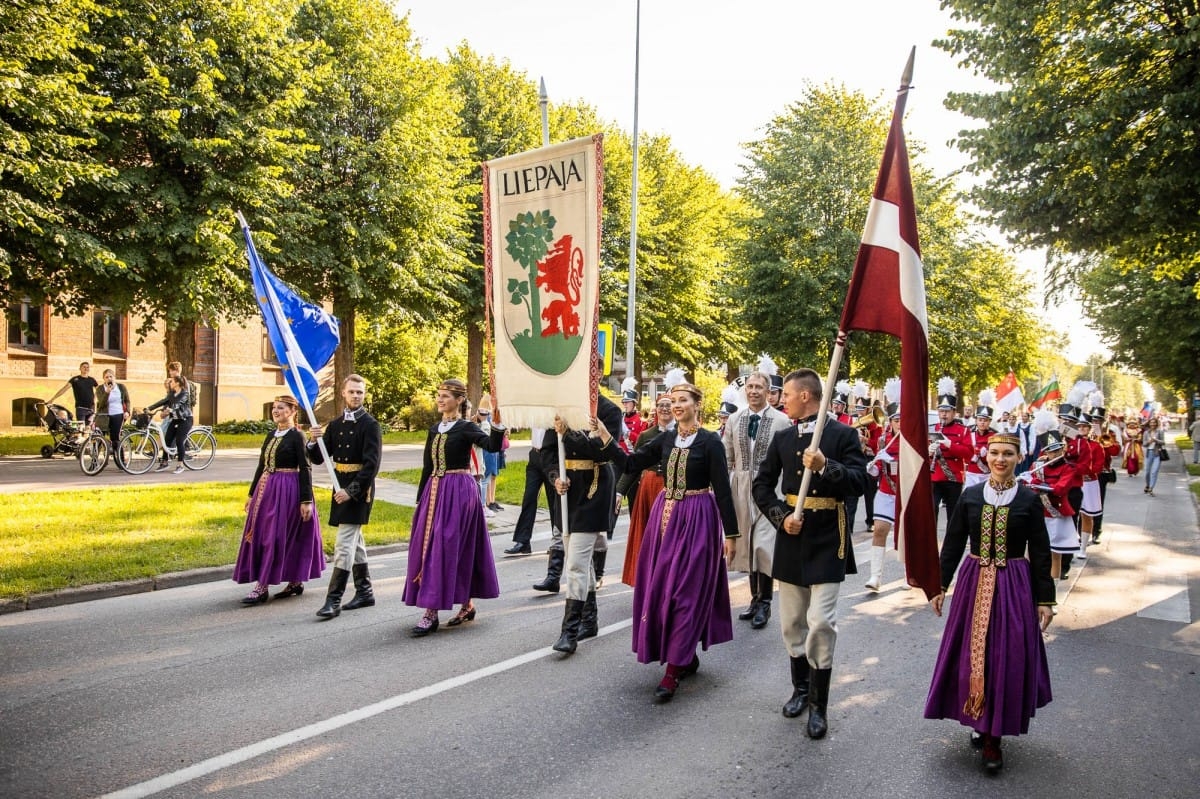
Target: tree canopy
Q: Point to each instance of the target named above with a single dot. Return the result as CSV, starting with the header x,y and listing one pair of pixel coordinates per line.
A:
x,y
1089,144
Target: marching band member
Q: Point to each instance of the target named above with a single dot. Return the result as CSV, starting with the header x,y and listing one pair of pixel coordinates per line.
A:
x,y
885,466
948,450
871,434
1089,462
1052,477
977,470
634,423
840,402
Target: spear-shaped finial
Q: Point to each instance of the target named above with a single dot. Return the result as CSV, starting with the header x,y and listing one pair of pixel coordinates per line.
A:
x,y
906,78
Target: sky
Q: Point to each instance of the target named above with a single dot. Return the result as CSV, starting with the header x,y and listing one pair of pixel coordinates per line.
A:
x,y
713,73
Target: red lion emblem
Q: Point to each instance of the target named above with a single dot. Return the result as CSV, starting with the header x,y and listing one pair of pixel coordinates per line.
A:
x,y
561,272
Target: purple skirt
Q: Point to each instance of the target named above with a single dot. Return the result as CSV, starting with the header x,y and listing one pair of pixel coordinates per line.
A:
x,y
1016,677
277,547
449,554
681,593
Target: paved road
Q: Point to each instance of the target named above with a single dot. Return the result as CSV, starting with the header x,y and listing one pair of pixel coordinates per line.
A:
x,y
184,692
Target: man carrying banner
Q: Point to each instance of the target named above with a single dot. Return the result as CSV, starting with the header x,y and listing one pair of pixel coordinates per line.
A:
x,y
813,554
355,444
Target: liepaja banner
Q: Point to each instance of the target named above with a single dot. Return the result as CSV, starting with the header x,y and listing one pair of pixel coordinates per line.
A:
x,y
541,235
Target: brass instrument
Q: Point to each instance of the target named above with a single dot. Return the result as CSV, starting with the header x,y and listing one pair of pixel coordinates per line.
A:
x,y
876,415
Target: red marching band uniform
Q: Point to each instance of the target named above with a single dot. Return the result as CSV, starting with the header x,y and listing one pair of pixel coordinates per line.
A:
x,y
949,462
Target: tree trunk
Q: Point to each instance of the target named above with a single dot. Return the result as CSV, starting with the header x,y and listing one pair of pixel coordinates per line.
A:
x,y
731,371
343,357
180,343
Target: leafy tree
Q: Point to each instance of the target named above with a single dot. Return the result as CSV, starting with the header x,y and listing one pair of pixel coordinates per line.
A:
x,y
377,218
403,362
48,117
1151,324
204,97
808,187
1089,145
499,116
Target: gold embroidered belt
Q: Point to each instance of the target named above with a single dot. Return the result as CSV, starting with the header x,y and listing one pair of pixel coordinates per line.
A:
x,y
347,467
587,466
279,471
444,472
813,503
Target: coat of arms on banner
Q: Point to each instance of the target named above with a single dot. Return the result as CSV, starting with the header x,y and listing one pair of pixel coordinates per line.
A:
x,y
541,234
543,282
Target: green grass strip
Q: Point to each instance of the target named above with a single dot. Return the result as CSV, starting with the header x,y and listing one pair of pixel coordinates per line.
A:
x,y
57,539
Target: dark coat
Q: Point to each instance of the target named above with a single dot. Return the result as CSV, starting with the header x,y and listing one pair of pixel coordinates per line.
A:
x,y
360,444
1025,534
454,451
591,497
823,552
288,454
706,468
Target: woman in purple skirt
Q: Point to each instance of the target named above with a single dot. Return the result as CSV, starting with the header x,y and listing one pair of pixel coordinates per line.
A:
x,y
282,538
991,672
681,592
450,555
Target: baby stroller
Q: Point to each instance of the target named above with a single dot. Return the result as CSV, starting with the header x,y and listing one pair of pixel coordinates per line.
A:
x,y
73,439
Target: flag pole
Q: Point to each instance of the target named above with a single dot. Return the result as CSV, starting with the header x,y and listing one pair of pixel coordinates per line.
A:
x,y
312,417
839,346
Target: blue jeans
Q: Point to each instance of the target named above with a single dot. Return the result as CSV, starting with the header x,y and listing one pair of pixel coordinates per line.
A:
x,y
1196,452
1153,463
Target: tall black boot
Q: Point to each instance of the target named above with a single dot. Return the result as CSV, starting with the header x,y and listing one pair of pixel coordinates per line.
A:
x,y
570,627
333,598
589,626
598,560
364,597
748,613
1066,566
818,701
553,572
799,701
763,613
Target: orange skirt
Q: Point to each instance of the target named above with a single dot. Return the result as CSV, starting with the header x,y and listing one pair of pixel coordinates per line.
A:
x,y
650,486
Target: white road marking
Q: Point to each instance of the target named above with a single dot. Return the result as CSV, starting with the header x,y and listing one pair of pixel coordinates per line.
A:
x,y
224,761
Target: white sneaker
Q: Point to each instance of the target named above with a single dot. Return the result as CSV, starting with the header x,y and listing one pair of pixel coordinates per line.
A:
x,y
489,513
179,469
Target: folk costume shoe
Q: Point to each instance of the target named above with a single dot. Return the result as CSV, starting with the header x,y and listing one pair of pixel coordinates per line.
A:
x,y
818,701
748,613
428,624
553,572
291,589
568,640
665,691
257,596
799,701
333,598
761,616
364,597
465,613
589,626
992,758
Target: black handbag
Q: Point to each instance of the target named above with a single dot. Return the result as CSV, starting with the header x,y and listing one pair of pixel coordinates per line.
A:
x,y
1163,454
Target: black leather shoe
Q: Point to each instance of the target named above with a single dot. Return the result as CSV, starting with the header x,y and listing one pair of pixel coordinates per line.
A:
x,y
993,758
976,739
748,613
761,616
519,549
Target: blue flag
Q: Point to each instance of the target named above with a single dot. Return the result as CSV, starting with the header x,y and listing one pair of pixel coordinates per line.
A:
x,y
303,335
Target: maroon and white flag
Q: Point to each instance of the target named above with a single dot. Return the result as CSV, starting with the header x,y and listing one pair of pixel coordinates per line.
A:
x,y
887,295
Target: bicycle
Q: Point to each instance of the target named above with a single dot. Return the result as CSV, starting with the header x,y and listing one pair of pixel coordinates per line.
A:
x,y
141,447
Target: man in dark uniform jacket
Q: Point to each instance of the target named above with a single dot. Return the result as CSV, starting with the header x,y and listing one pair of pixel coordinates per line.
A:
x,y
591,487
536,479
812,554
355,443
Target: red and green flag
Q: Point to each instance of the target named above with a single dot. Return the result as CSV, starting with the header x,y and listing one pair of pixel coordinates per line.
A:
x,y
1048,392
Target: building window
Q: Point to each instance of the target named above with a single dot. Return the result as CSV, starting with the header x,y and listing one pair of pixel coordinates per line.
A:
x,y
24,412
108,331
268,351
25,325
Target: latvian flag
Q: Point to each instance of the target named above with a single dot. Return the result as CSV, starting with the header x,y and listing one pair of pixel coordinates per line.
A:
x,y
887,295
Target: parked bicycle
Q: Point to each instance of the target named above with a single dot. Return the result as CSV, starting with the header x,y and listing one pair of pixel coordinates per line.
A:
x,y
73,438
142,446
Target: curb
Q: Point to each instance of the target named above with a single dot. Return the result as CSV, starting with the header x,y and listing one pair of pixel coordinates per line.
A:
x,y
141,585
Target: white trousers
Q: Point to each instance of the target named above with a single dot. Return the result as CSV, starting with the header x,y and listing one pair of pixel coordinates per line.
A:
x,y
808,621
578,571
350,547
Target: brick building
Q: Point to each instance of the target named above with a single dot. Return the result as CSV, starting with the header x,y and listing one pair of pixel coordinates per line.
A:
x,y
235,365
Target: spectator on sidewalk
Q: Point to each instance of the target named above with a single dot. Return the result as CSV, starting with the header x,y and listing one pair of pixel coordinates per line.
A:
x,y
1194,432
112,399
83,386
